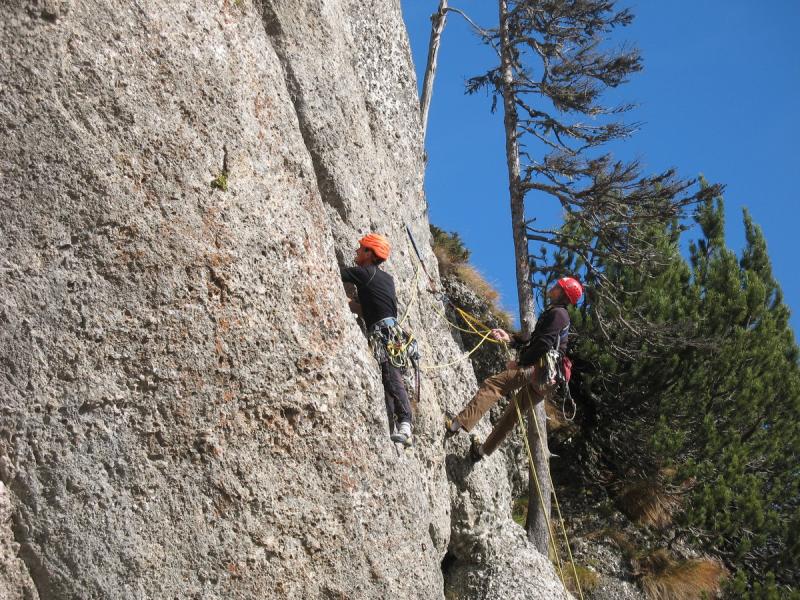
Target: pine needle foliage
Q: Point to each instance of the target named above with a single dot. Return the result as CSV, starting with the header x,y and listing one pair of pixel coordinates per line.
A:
x,y
704,400
450,245
560,62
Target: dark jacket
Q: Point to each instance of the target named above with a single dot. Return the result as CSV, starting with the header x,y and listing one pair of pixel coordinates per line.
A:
x,y
376,292
551,329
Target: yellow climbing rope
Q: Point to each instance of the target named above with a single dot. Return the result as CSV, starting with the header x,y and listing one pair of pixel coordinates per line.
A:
x,y
484,337
471,320
473,323
413,297
485,332
551,535
552,538
553,488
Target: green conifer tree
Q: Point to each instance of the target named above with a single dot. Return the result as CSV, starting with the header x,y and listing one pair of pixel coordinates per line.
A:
x,y
747,455
712,388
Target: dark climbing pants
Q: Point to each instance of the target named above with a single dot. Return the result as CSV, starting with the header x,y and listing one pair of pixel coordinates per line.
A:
x,y
394,388
492,389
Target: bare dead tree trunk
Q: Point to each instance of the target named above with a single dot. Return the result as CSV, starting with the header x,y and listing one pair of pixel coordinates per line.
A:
x,y
437,26
538,521
515,188
538,515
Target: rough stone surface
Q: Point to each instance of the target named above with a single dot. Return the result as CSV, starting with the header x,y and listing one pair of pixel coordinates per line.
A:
x,y
188,408
610,588
15,582
510,571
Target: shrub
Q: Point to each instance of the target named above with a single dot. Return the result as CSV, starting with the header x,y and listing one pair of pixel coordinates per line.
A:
x,y
667,579
647,503
220,182
450,245
452,256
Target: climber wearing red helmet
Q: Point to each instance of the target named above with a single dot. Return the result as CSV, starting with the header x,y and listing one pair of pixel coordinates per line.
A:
x,y
377,304
572,288
538,355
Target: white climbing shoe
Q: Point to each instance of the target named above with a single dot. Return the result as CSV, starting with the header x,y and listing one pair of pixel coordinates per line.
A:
x,y
402,434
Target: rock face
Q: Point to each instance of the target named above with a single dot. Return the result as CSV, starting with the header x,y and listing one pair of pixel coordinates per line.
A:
x,y
188,408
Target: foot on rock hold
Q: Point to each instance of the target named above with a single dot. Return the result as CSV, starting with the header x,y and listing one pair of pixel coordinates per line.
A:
x,y
451,427
475,448
403,434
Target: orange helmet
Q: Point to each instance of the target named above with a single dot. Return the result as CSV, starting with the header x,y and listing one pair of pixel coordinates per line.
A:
x,y
572,288
377,243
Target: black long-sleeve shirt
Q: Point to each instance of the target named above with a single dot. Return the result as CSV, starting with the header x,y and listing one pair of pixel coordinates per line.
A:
x,y
552,325
376,292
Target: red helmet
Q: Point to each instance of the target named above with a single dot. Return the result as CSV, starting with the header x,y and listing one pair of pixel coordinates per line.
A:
x,y
377,243
572,288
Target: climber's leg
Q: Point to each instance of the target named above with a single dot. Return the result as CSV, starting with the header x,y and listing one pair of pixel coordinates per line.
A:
x,y
397,401
510,418
492,389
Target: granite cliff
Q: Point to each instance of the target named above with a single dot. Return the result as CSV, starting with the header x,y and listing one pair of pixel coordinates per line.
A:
x,y
188,408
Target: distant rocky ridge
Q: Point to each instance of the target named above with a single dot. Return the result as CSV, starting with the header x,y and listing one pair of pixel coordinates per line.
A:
x,y
188,408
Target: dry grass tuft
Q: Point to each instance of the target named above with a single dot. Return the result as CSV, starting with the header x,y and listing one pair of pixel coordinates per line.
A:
x,y
445,260
452,257
668,472
667,579
647,503
484,290
586,577
477,283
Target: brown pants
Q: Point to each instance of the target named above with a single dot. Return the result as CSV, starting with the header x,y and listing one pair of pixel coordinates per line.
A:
x,y
492,389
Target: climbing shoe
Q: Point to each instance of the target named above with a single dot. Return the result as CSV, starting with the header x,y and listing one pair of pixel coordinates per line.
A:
x,y
402,434
451,427
475,448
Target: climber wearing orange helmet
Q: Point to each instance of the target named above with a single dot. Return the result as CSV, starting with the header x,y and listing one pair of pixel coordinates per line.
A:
x,y
538,355
377,304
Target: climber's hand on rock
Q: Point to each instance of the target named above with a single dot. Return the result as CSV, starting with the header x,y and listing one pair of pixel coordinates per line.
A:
x,y
500,335
355,307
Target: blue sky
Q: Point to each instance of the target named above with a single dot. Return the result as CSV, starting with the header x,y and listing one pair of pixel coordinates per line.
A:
x,y
719,95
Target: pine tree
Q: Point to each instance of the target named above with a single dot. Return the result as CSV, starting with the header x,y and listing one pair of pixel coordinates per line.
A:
x,y
752,392
554,67
719,400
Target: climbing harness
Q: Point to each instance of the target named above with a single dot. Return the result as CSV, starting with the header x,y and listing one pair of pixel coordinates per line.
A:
x,y
553,372
390,342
